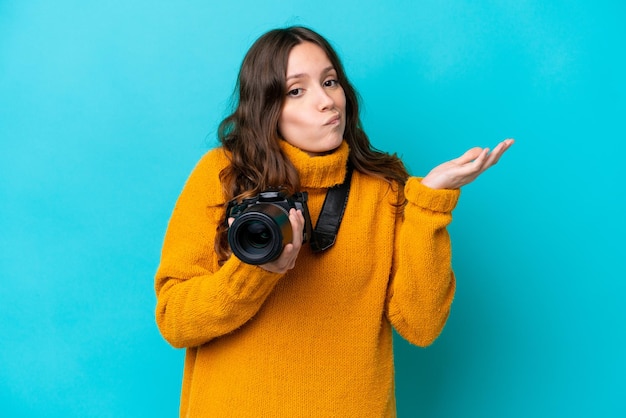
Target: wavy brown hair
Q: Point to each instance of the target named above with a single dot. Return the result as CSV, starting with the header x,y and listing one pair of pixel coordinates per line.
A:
x,y
251,136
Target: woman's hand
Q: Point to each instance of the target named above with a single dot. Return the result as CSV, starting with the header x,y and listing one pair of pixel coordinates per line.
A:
x,y
287,259
465,169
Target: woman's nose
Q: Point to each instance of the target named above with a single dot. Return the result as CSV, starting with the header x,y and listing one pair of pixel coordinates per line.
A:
x,y
325,100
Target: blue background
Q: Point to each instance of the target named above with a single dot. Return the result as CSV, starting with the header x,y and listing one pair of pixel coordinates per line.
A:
x,y
105,107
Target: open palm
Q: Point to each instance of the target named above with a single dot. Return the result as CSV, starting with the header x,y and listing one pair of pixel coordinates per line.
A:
x,y
466,168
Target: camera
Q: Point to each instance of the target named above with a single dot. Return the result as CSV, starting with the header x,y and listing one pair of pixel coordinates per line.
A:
x,y
261,227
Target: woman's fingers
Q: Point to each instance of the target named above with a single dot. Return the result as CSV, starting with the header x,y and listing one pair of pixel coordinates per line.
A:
x,y
466,168
498,151
469,156
296,218
287,259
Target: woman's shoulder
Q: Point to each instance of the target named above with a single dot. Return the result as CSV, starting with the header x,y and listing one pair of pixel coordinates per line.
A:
x,y
379,188
216,158
205,177
212,162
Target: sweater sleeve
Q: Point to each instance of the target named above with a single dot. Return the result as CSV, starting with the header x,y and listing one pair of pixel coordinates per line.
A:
x,y
422,284
196,299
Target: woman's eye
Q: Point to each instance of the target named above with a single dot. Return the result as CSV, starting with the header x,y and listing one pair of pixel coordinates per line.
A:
x,y
331,83
294,92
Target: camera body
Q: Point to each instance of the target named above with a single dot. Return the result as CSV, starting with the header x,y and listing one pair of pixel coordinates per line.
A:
x,y
261,226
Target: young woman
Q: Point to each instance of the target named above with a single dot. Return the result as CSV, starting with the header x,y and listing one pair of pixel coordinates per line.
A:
x,y
308,334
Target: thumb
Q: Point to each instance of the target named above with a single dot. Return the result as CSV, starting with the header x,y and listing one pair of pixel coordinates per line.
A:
x,y
470,155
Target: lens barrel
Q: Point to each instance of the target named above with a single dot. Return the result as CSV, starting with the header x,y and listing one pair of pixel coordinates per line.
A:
x,y
260,233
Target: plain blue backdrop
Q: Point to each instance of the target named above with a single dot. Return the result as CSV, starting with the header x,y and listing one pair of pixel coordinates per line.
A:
x,y
105,107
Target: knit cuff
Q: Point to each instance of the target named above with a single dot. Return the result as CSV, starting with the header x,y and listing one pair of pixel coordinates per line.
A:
x,y
246,280
436,200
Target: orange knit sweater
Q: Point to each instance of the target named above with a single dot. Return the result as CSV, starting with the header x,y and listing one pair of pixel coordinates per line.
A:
x,y
316,341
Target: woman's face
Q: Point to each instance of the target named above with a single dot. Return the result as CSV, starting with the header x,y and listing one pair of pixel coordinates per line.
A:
x,y
313,116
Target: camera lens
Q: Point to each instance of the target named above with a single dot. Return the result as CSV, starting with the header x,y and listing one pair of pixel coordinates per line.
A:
x,y
260,233
257,234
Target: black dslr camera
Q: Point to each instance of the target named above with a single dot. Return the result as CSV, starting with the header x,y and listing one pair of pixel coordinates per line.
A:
x,y
261,228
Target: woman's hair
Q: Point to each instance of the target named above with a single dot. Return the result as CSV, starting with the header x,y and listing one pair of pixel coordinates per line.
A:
x,y
251,134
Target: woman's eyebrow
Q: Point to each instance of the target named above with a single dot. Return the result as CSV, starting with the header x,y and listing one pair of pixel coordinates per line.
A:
x,y
328,69
300,75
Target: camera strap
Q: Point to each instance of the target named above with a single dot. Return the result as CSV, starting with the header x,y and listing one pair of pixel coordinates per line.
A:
x,y
334,206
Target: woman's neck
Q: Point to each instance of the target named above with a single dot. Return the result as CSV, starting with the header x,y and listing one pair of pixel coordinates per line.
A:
x,y
319,171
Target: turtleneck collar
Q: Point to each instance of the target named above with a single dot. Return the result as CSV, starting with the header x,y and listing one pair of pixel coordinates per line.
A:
x,y
320,171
